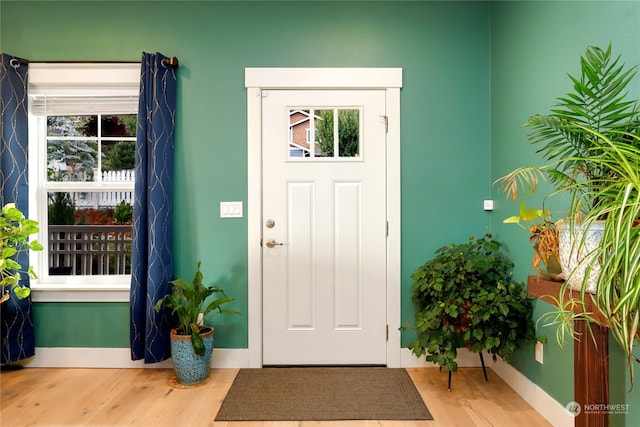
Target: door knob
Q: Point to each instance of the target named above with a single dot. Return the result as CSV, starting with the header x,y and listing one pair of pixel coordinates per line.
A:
x,y
272,243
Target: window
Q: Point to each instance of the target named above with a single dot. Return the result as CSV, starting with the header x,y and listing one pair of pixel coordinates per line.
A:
x,y
328,133
83,121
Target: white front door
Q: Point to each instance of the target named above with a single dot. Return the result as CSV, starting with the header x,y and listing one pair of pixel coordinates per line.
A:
x,y
324,227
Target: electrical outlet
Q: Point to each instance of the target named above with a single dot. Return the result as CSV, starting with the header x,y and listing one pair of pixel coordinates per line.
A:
x,y
487,205
539,352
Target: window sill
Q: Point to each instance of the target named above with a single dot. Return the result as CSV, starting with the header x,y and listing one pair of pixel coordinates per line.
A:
x,y
62,292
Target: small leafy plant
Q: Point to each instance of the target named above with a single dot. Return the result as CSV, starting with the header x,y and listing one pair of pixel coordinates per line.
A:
x,y
15,230
123,213
61,209
465,297
543,233
187,301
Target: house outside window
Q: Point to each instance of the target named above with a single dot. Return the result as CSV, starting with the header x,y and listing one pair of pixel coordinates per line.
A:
x,y
82,120
301,135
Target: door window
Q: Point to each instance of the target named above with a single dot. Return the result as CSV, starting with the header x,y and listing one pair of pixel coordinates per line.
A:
x,y
324,133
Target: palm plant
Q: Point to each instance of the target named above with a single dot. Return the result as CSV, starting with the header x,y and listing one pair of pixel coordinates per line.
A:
x,y
599,103
591,143
564,136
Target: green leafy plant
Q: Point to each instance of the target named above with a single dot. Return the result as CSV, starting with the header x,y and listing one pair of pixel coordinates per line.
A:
x,y
597,103
543,233
591,143
15,230
121,156
617,199
187,301
61,209
123,213
465,297
564,315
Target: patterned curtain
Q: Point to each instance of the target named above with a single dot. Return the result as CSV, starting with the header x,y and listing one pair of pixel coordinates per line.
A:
x,y
17,320
152,252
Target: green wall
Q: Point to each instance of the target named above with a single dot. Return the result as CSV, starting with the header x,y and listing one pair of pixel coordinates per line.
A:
x,y
534,46
473,73
75,324
444,50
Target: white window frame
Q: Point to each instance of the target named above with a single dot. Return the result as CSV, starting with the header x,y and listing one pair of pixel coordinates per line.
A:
x,y
89,79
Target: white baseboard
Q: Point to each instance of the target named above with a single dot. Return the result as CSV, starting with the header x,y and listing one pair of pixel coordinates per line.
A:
x,y
535,396
80,357
84,357
545,405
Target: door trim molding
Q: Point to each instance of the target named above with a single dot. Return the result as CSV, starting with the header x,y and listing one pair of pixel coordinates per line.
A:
x,y
323,78
257,79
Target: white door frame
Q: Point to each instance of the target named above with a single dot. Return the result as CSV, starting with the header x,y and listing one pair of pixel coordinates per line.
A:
x,y
257,79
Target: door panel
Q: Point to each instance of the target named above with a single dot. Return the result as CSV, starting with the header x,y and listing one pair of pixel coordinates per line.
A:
x,y
324,251
300,265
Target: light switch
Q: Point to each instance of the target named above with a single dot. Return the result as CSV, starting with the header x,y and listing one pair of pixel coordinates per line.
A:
x,y
231,210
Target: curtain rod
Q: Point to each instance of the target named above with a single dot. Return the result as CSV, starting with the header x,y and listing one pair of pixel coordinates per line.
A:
x,y
167,62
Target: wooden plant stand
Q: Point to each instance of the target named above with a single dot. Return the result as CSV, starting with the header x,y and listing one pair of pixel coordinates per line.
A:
x,y
590,357
484,371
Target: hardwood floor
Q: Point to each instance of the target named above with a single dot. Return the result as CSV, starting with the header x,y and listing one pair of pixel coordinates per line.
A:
x,y
142,397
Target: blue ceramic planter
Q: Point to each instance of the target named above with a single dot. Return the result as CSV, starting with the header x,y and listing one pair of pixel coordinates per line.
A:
x,y
189,367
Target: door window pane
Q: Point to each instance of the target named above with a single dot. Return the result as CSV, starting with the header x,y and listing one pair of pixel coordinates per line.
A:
x,y
301,130
325,133
313,133
349,133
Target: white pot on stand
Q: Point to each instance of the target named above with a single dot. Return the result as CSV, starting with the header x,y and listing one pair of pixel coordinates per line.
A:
x,y
578,245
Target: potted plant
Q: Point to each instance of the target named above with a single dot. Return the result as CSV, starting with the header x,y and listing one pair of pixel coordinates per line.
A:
x,y
465,297
192,340
569,142
592,144
617,287
543,233
15,230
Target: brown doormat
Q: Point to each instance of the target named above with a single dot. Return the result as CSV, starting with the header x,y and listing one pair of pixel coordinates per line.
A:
x,y
320,394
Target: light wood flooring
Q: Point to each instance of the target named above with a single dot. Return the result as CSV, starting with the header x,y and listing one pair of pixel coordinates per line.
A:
x,y
142,397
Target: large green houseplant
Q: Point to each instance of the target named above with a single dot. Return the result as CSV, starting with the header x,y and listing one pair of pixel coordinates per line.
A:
x,y
465,297
599,103
616,198
591,144
192,339
15,230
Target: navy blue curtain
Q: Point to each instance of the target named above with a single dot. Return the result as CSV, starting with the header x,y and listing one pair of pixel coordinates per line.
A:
x,y
17,319
152,252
